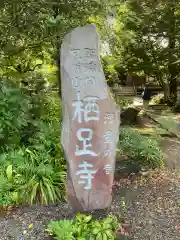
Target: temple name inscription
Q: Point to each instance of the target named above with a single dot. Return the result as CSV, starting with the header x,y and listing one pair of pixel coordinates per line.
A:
x,y
93,122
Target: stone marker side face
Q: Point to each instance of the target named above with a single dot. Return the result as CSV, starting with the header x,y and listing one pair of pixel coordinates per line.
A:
x,y
90,127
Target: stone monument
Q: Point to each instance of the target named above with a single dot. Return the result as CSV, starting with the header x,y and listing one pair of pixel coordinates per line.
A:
x,y
90,126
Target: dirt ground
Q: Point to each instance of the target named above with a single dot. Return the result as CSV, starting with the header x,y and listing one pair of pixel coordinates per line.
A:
x,y
171,149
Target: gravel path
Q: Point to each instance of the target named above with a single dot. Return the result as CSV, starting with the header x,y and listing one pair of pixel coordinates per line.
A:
x,y
171,149
152,207
16,225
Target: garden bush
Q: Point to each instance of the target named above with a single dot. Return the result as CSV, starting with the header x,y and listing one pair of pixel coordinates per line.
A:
x,y
39,180
158,99
52,108
37,177
142,150
14,107
124,103
84,227
110,72
30,147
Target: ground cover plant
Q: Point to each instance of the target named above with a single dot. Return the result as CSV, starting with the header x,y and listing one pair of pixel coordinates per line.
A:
x,y
84,227
142,150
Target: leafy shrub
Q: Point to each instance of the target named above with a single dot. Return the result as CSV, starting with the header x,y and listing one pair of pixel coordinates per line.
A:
x,y
158,99
36,177
109,71
124,103
7,194
6,200
33,81
32,165
142,150
47,139
84,227
14,114
51,109
62,230
40,183
105,229
39,171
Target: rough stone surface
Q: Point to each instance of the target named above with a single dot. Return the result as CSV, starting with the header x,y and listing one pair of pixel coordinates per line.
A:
x,y
90,121
129,116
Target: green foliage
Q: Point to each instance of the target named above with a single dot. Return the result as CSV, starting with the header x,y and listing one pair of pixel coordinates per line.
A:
x,y
142,150
124,103
169,123
33,82
84,227
145,40
109,70
5,184
52,109
6,200
7,196
158,99
35,177
32,38
105,229
36,174
14,113
38,179
32,169
62,230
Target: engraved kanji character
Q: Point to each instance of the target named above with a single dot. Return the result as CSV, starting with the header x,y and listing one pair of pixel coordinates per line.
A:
x,y
91,107
91,66
108,153
85,150
90,80
90,52
78,104
108,137
76,53
77,67
76,82
108,118
108,168
86,174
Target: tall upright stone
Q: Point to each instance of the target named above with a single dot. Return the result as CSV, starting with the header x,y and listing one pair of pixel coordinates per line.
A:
x,y
90,127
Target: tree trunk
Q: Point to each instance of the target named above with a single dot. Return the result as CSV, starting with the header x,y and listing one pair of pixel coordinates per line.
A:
x,y
165,86
171,66
59,73
166,91
58,58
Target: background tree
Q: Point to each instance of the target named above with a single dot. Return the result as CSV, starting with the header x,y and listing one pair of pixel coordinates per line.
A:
x,y
146,40
31,31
